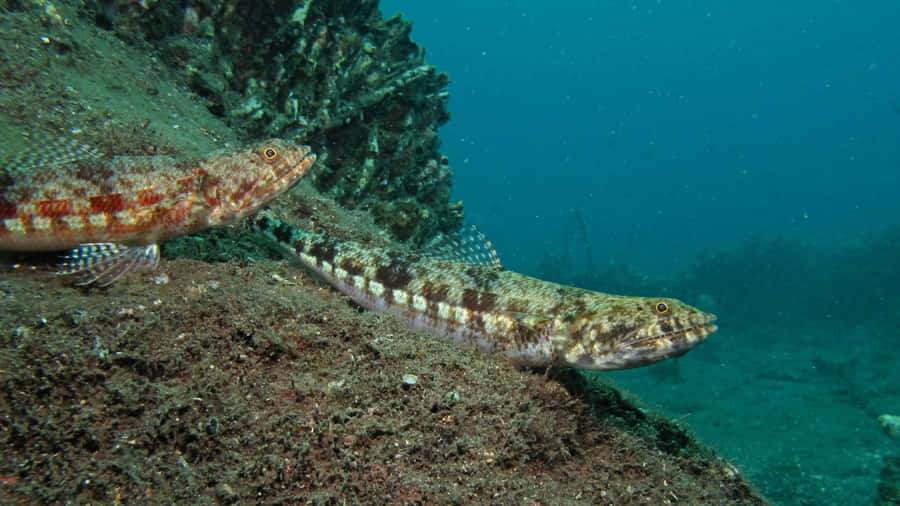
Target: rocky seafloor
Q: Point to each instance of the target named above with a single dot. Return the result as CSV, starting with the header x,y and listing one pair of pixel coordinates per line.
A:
x,y
234,377
252,382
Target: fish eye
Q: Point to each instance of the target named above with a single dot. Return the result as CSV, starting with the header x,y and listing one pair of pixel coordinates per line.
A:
x,y
661,308
270,153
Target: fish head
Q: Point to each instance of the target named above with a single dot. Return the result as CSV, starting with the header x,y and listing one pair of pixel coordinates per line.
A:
x,y
238,184
627,332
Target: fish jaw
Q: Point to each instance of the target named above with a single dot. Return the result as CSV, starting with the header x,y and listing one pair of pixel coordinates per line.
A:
x,y
636,337
266,171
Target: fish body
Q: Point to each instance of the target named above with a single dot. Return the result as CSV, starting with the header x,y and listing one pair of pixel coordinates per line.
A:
x,y
534,323
114,211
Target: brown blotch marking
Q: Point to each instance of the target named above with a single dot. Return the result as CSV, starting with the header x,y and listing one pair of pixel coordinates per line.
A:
x,y
93,171
323,249
482,277
613,335
576,305
523,334
59,226
567,292
387,296
111,203
517,306
351,266
479,301
190,167
666,327
561,307
475,326
435,292
580,304
54,208
395,273
6,180
107,187
8,210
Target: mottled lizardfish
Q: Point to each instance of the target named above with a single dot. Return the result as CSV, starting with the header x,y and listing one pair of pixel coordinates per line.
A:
x,y
115,210
460,291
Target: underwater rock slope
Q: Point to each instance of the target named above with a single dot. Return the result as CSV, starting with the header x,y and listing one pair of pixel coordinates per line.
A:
x,y
253,383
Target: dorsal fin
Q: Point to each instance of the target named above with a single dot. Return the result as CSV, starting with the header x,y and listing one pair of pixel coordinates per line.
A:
x,y
468,246
46,151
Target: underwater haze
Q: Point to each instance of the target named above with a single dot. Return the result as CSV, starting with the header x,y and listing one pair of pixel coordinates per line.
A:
x,y
743,156
672,126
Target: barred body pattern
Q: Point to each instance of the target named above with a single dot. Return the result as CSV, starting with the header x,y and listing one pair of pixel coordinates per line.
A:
x,y
534,323
77,197
142,200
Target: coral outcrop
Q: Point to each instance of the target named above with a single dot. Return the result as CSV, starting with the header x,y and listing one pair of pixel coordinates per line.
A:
x,y
350,83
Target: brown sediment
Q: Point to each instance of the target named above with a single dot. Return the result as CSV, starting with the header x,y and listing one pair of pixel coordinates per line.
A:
x,y
253,383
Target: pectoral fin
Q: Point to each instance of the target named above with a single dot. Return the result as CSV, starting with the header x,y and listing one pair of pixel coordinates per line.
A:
x,y
101,264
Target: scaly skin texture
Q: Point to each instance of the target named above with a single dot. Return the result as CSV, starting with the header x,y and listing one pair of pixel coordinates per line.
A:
x,y
142,200
534,323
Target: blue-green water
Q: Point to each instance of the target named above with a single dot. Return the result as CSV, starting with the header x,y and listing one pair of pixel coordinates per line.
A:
x,y
742,156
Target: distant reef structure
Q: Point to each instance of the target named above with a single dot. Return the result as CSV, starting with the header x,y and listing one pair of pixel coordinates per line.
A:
x,y
332,72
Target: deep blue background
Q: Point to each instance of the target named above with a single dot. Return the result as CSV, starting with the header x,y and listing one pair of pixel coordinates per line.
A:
x,y
671,126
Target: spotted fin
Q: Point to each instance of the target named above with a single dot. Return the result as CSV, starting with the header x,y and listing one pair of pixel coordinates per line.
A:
x,y
468,246
46,152
101,264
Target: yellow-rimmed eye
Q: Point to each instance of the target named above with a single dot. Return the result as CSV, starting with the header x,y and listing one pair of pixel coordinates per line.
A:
x,y
270,153
661,308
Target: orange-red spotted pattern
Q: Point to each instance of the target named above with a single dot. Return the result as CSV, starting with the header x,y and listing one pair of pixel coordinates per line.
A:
x,y
140,200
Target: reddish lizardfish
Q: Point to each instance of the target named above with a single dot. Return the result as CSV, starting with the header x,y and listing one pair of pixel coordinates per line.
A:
x,y
113,211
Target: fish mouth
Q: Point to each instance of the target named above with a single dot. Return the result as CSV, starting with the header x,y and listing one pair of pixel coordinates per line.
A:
x,y
297,169
691,336
652,349
649,350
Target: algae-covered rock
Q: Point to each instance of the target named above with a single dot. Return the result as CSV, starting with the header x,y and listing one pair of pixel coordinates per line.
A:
x,y
336,73
358,89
